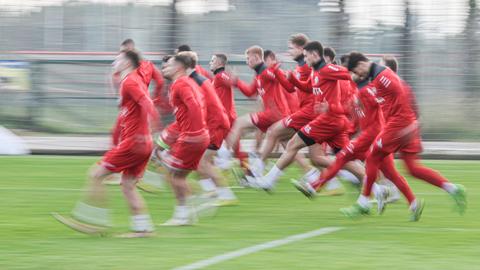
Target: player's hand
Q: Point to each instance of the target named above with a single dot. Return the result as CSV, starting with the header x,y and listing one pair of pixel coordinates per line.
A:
x,y
276,66
233,78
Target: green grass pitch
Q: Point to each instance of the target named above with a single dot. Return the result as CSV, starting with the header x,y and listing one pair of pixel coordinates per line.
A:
x,y
32,187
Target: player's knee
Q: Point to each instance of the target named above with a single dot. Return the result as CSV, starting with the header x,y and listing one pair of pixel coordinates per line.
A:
x,y
295,144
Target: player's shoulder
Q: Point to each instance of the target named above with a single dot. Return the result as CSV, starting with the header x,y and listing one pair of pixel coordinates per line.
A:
x,y
332,68
387,76
268,73
222,75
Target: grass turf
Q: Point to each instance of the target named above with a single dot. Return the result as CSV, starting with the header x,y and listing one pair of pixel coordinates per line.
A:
x,y
32,187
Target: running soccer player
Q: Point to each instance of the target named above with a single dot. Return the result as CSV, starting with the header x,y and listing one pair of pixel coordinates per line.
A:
x,y
153,180
294,105
286,128
267,87
218,126
199,69
330,124
400,134
371,121
129,156
186,140
222,83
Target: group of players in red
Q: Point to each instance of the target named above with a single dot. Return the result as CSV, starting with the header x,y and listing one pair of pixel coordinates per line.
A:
x,y
359,110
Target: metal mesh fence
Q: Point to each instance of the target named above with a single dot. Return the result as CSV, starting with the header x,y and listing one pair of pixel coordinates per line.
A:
x,y
436,41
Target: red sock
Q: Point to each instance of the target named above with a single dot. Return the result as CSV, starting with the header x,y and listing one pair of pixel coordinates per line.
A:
x,y
419,171
373,163
242,156
332,170
388,169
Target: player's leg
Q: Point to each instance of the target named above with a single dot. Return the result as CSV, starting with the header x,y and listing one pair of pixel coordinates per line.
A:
x,y
388,169
320,160
342,158
180,160
417,170
90,215
277,132
93,208
293,146
373,162
239,126
183,214
220,187
141,222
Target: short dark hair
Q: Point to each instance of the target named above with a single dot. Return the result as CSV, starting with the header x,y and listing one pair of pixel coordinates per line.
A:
x,y
222,57
330,52
134,58
354,58
166,58
128,41
184,48
314,46
391,62
344,60
184,60
268,53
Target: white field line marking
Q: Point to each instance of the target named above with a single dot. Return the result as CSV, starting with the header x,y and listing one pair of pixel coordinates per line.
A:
x,y
253,249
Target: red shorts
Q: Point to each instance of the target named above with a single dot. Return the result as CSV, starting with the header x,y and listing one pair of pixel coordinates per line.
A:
x,y
299,119
169,135
128,157
184,155
326,129
216,137
404,140
263,120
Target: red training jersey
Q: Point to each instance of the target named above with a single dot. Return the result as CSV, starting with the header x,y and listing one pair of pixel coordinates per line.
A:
x,y
302,72
367,108
268,88
390,90
216,115
133,124
324,84
189,108
222,83
200,70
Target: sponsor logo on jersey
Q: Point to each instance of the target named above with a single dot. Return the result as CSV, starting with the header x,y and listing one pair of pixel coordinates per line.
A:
x,y
307,129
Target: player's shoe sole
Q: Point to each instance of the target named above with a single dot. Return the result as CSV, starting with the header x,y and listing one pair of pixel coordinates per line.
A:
x,y
417,213
225,203
174,222
332,192
136,235
301,186
80,226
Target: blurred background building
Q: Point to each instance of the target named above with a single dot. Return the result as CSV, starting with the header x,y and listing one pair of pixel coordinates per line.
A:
x,y
55,55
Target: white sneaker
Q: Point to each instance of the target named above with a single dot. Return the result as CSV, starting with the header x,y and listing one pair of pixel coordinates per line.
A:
x,y
381,198
173,222
256,164
264,184
221,163
393,196
202,206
